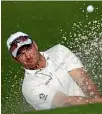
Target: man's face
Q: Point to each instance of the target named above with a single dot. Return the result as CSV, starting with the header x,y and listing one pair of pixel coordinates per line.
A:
x,y
28,55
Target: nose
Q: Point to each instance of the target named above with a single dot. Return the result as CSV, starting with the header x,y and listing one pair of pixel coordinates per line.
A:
x,y
27,55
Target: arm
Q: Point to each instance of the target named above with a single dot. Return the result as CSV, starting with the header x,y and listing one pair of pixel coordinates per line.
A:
x,y
62,100
86,84
78,73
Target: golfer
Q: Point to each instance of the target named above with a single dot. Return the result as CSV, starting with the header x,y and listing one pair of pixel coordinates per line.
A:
x,y
53,78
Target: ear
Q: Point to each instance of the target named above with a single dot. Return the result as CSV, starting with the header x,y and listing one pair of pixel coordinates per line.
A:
x,y
35,44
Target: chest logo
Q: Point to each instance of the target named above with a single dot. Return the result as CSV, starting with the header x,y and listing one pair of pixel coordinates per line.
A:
x,y
43,96
48,80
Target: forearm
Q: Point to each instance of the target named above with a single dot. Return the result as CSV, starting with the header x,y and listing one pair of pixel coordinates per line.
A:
x,y
82,78
62,100
93,91
90,88
81,101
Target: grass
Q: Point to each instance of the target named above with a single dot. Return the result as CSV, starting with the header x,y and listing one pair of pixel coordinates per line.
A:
x,y
84,109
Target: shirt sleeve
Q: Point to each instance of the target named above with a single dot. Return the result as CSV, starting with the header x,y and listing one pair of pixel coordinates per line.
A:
x,y
70,59
42,97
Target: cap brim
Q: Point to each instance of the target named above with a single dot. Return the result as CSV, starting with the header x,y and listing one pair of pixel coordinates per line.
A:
x,y
14,53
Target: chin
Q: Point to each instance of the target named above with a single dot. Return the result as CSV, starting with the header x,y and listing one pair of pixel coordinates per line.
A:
x,y
31,66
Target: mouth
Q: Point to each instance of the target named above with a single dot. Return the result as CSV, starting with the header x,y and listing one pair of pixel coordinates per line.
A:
x,y
30,61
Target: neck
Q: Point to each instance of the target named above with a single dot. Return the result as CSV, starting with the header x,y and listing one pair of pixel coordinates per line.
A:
x,y
41,63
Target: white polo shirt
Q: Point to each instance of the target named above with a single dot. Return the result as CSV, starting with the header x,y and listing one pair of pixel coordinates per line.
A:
x,y
40,86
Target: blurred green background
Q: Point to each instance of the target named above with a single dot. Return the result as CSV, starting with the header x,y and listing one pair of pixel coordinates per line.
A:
x,y
49,23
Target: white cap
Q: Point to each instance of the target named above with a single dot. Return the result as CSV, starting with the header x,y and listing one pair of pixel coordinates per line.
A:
x,y
14,37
